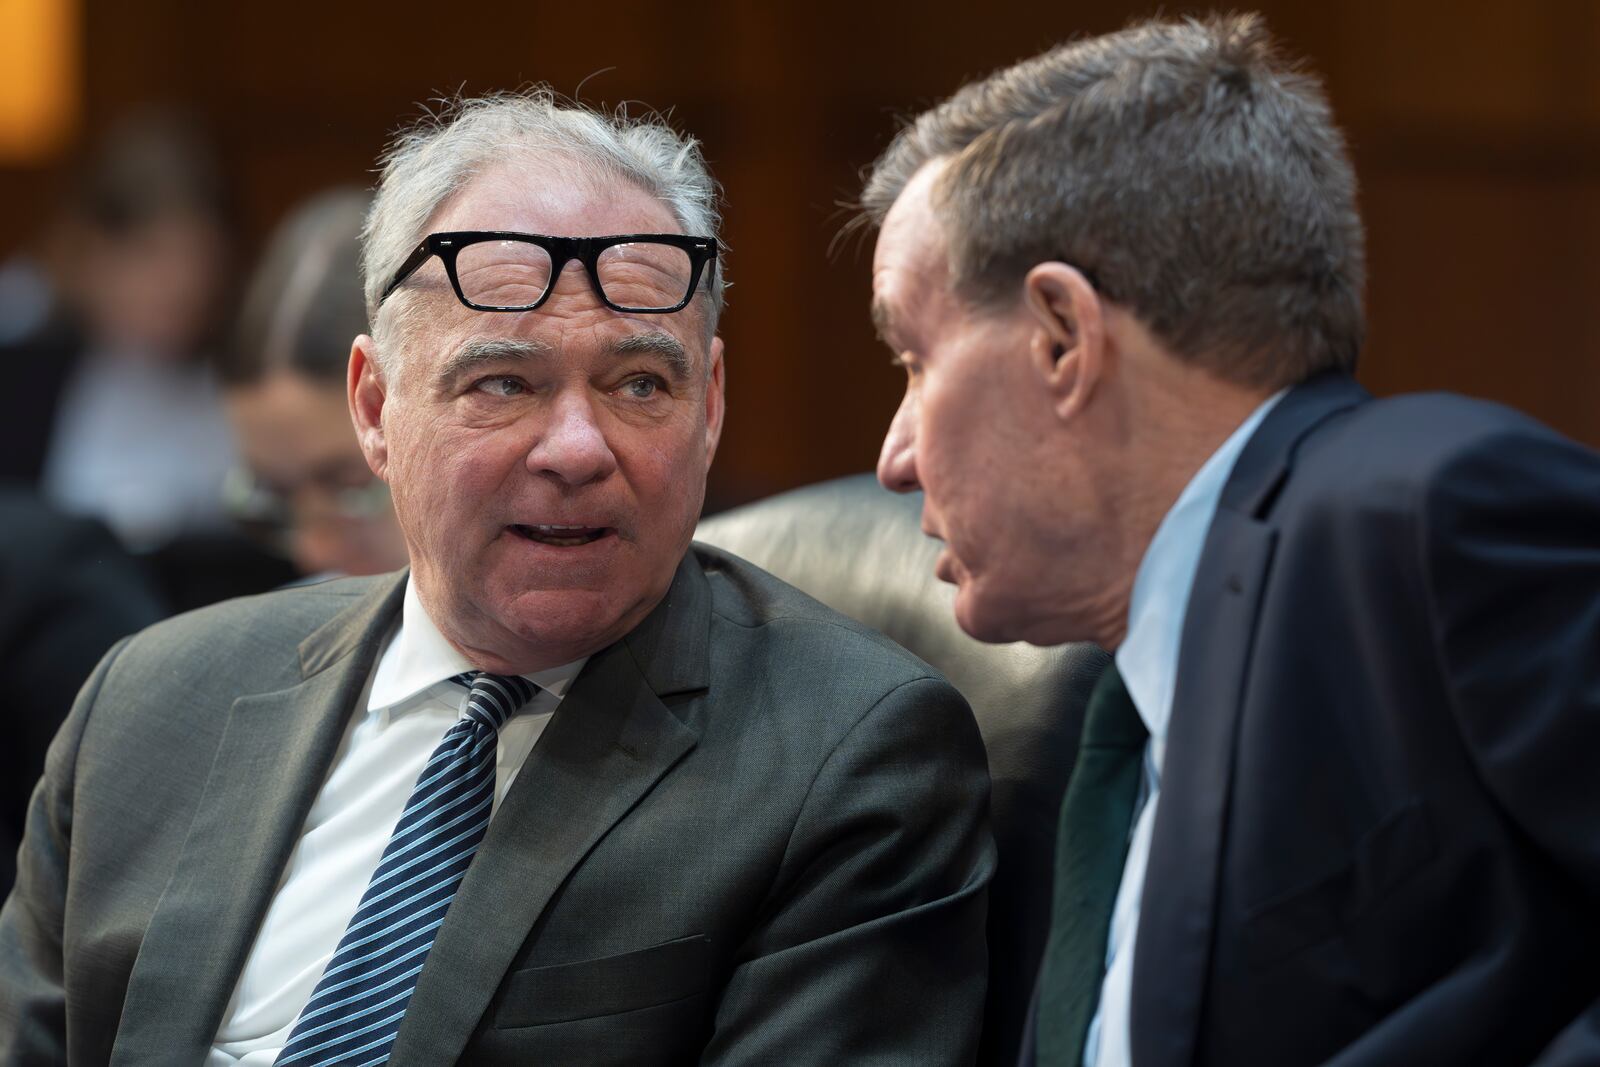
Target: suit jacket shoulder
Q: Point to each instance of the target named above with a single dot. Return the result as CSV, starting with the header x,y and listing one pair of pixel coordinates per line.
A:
x,y
1386,675
248,643
1414,442
170,688
818,638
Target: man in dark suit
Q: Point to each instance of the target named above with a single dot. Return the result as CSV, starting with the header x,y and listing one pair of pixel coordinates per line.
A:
x,y
1336,798
679,812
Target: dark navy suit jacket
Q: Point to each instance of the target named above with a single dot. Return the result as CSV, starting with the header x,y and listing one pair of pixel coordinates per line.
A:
x,y
1379,832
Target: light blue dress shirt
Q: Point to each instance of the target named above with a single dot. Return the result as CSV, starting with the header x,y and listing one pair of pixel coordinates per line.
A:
x,y
1148,660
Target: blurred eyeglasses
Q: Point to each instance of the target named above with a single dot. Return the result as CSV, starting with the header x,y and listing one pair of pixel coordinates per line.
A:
x,y
653,273
273,512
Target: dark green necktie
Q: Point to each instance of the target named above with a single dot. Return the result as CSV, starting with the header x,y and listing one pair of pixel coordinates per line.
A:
x,y
1092,846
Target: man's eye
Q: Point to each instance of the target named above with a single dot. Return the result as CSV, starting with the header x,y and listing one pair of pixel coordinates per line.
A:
x,y
501,387
641,388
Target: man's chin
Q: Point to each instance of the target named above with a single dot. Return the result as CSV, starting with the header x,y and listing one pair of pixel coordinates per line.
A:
x,y
979,620
975,613
545,628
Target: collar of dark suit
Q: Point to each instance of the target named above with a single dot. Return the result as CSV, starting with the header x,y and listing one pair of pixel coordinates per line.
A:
x,y
1178,908
1269,454
671,647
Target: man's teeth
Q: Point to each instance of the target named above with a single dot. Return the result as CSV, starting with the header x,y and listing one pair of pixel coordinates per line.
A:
x,y
560,534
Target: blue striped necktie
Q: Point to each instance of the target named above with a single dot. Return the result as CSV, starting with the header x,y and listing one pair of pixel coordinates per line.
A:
x,y
354,1013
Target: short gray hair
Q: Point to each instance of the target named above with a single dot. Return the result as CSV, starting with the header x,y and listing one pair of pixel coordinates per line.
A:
x,y
1189,171
439,155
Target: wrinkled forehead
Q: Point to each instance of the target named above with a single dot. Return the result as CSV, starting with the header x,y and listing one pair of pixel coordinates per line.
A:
x,y
557,198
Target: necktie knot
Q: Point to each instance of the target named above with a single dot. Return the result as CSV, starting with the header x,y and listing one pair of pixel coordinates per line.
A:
x,y
493,698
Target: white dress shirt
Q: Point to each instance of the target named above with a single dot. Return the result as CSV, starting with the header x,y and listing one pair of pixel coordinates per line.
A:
x,y
1148,660
410,705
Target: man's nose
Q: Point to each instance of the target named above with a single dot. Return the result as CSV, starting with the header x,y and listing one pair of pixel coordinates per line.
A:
x,y
573,447
897,462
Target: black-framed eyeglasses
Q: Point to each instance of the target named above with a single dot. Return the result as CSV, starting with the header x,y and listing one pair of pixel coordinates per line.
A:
x,y
494,270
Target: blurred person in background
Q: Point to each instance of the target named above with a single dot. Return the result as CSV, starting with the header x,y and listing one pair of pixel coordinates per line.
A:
x,y
113,410
303,481
118,416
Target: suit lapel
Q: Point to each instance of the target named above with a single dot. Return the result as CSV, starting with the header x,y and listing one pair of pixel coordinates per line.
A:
x,y
608,743
1178,907
273,757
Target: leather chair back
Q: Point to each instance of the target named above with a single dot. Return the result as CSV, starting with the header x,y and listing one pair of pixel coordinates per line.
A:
x,y
860,549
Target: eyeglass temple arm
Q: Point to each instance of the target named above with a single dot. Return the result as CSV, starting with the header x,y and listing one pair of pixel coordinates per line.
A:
x,y
418,256
709,265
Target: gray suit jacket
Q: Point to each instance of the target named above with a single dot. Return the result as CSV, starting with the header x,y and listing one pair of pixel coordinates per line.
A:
x,y
754,832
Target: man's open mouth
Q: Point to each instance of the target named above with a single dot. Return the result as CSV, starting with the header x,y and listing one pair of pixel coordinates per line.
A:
x,y
561,536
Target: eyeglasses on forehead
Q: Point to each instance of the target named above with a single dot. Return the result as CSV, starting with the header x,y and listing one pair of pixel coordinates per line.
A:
x,y
498,270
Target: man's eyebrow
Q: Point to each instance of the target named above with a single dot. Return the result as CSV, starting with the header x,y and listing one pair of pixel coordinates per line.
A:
x,y
481,351
657,343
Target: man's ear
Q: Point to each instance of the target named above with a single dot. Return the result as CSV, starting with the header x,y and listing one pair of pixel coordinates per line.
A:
x,y
716,399
1068,343
368,390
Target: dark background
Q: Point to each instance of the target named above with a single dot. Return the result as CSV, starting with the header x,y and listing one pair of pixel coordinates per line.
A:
x,y
1475,129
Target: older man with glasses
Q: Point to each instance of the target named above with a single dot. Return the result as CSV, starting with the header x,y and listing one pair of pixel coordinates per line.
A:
x,y
569,790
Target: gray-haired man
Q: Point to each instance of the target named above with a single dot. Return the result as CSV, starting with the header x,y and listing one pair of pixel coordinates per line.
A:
x,y
570,791
1335,800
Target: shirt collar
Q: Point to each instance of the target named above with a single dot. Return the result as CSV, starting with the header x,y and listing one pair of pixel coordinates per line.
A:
x,y
418,657
1148,656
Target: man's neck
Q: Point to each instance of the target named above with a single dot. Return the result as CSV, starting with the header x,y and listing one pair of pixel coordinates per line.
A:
x,y
1176,417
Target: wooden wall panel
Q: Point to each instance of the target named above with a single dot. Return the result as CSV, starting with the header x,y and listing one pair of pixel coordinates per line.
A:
x,y
1500,276
1475,127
